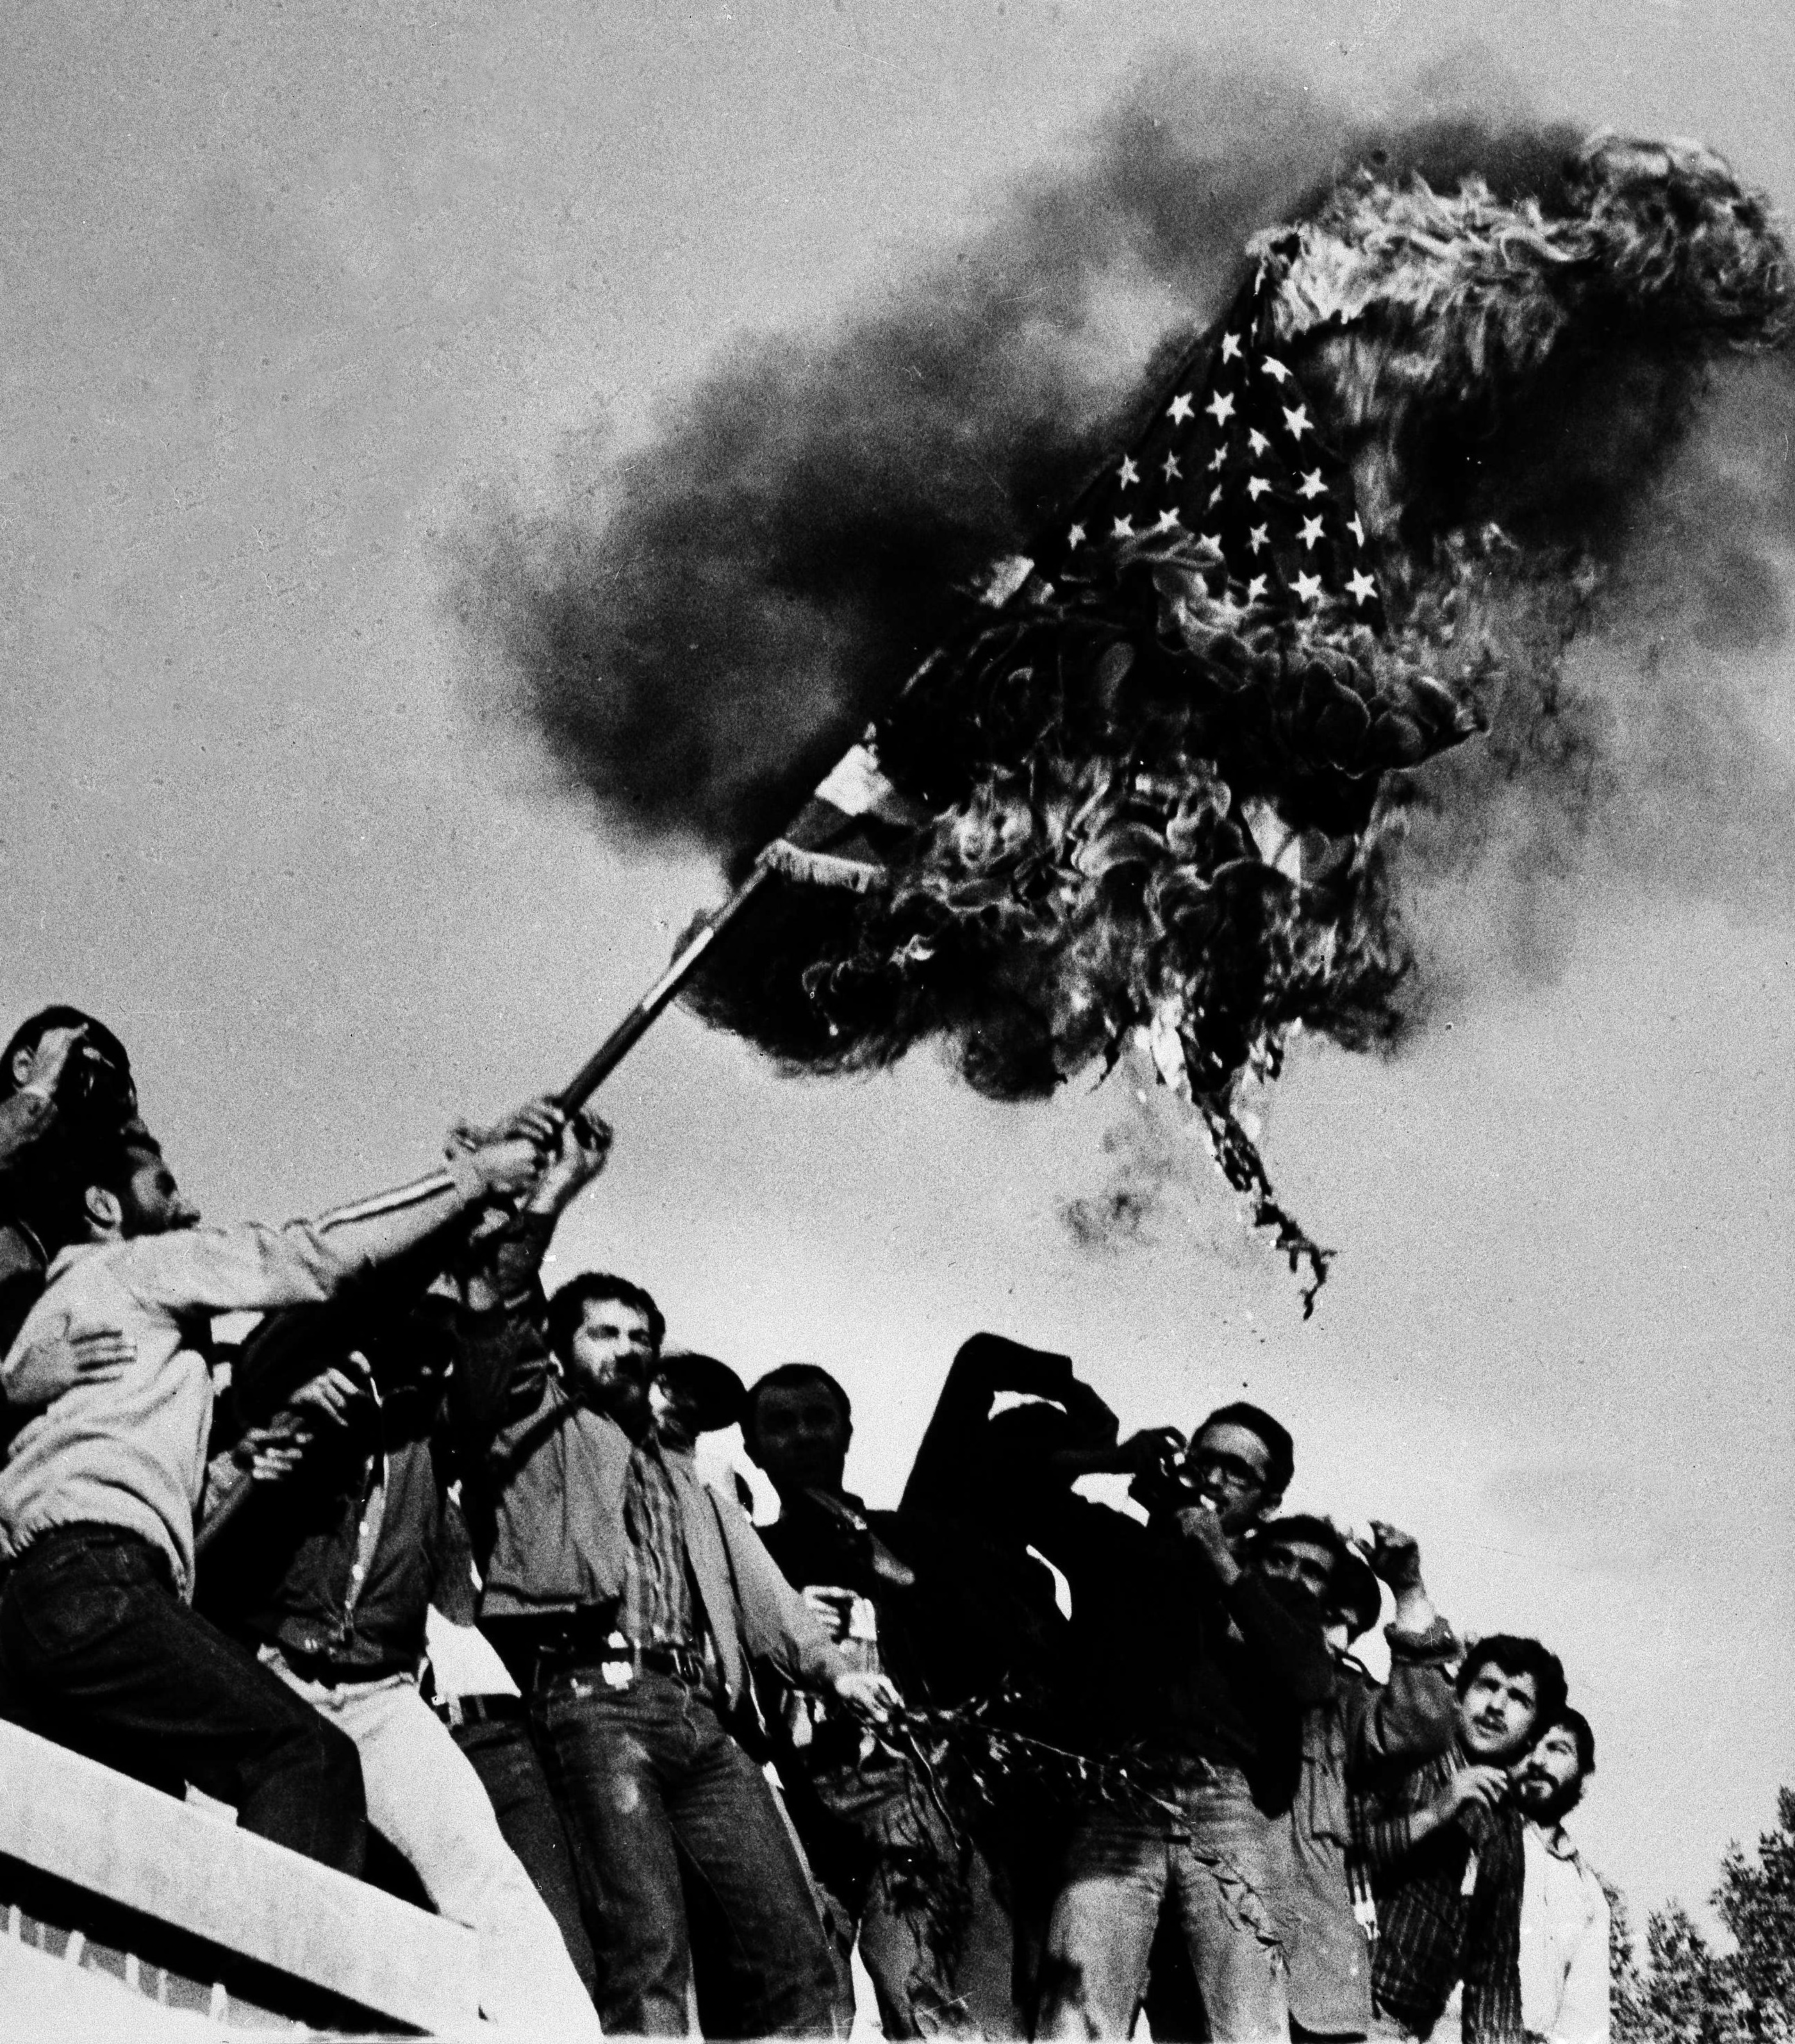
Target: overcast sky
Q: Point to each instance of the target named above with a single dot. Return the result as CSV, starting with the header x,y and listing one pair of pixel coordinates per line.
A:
x,y
286,286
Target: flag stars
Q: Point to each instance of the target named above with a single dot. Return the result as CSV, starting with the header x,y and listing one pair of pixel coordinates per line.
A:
x,y
1124,529
1230,347
1297,420
1215,497
1220,407
1257,441
1217,459
1179,410
1255,589
1168,522
1128,472
1256,487
1311,530
1169,467
1364,588
1309,588
1357,530
1311,485
1258,539
1212,541
1075,538
1274,369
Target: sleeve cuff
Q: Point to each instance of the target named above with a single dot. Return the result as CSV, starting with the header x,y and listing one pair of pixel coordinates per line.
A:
x,y
1438,1644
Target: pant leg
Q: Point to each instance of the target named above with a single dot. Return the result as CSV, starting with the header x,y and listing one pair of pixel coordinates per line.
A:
x,y
917,1916
1101,1931
1225,1878
426,1799
737,1844
609,1753
104,1658
504,1755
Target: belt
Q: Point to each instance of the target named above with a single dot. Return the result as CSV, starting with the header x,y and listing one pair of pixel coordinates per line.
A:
x,y
330,1674
619,1665
684,1664
495,1709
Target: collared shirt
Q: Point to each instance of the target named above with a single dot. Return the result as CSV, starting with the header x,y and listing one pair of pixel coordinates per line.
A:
x,y
1365,1730
655,1608
1448,1908
130,1451
546,1512
1564,1974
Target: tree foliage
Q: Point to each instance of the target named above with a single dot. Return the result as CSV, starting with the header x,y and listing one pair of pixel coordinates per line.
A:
x,y
1688,1993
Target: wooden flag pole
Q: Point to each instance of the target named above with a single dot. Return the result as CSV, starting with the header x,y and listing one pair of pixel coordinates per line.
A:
x,y
641,1018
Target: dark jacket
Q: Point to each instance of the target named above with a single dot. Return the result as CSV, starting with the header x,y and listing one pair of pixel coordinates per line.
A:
x,y
1163,1659
284,1573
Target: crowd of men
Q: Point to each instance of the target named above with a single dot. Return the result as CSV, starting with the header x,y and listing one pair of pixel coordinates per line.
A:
x,y
422,1579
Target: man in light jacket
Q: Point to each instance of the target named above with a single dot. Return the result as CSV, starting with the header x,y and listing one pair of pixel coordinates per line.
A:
x,y
101,1647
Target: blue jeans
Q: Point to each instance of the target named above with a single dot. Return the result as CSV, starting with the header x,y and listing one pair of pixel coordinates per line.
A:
x,y
1217,1867
101,1655
504,1755
649,1781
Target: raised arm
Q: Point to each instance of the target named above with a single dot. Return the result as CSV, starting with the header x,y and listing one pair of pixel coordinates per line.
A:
x,y
985,1366
251,1268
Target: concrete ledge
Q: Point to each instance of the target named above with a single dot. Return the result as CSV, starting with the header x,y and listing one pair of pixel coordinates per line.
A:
x,y
71,1818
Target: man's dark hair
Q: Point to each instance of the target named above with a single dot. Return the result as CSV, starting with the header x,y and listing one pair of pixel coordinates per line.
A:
x,y
568,1308
1280,1450
34,1028
1302,1529
1519,1656
793,1377
1575,1722
60,1216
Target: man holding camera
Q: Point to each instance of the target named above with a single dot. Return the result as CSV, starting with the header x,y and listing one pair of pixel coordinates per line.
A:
x,y
1198,1670
1366,1732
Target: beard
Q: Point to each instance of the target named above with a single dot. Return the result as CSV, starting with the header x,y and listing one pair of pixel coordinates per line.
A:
x,y
1545,1801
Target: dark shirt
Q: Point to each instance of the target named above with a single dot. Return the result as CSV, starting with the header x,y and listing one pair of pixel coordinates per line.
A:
x,y
290,1571
975,1621
1163,1659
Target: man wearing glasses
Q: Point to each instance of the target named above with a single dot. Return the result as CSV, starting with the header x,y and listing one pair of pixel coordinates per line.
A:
x,y
1195,1674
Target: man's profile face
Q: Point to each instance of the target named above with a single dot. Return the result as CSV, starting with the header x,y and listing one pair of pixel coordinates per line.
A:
x,y
1230,1466
1548,1779
152,1203
1496,1713
612,1357
800,1437
1306,1565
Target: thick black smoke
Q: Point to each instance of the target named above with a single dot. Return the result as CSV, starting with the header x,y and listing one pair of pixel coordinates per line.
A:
x,y
699,632
696,634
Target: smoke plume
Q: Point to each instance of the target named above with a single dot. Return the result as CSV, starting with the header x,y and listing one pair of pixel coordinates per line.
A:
x,y
696,634
1578,503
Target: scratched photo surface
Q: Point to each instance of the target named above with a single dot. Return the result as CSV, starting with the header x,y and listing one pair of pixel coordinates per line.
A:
x,y
333,336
